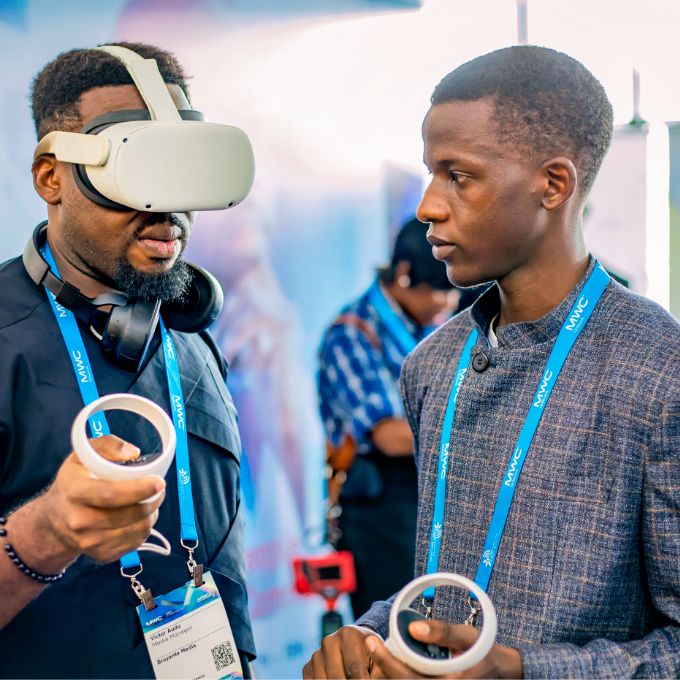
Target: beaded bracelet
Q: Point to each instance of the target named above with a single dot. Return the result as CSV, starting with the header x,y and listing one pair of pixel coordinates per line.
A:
x,y
21,566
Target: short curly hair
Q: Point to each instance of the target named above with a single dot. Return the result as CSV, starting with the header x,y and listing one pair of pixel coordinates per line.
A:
x,y
545,102
57,88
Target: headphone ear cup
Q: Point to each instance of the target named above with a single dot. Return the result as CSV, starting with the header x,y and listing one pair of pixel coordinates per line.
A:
x,y
129,331
201,305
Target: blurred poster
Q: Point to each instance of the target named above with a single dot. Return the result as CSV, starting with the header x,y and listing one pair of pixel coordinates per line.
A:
x,y
258,332
616,209
674,145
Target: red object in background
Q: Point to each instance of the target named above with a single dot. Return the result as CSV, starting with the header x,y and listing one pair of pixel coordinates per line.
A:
x,y
329,576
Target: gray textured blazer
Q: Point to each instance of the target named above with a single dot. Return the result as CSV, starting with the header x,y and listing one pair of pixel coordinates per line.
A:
x,y
587,578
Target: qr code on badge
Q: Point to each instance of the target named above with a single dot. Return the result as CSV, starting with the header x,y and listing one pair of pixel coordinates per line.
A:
x,y
223,656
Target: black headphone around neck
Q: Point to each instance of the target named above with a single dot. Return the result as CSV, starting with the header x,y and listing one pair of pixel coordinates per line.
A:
x,y
128,328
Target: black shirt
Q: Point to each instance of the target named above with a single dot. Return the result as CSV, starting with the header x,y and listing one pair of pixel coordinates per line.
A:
x,y
86,625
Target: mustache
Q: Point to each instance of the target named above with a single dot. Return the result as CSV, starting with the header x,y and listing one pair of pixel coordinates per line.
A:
x,y
164,218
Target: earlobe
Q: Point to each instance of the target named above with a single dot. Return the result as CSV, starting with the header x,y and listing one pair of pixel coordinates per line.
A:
x,y
561,181
401,274
46,179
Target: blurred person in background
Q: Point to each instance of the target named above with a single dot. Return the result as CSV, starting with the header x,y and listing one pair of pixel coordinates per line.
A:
x,y
372,481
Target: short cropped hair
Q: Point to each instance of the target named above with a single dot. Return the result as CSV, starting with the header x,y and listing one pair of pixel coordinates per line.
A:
x,y
58,86
545,102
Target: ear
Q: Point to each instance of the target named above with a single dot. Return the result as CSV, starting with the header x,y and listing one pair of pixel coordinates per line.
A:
x,y
402,269
401,272
46,179
561,181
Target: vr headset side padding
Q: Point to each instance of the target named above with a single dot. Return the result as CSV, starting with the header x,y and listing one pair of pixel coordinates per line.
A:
x,y
129,326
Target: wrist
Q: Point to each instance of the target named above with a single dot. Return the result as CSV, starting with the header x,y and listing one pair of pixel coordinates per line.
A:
x,y
33,535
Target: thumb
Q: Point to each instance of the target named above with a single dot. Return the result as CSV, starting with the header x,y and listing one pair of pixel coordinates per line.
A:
x,y
457,637
114,448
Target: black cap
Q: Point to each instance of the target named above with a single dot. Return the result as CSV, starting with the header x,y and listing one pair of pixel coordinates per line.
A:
x,y
411,246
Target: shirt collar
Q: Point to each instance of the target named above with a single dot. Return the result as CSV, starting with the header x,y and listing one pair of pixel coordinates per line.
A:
x,y
524,333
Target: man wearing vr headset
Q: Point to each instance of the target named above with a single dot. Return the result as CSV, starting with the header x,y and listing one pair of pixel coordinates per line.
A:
x,y
109,259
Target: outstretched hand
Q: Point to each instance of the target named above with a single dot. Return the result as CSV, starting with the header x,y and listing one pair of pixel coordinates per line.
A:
x,y
500,662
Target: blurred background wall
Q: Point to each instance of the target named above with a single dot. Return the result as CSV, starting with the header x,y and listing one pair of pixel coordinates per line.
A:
x,y
332,94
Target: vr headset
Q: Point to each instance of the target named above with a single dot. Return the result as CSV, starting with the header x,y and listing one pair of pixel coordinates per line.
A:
x,y
160,160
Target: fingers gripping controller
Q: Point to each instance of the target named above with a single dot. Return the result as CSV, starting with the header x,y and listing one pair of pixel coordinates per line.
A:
x,y
431,659
105,469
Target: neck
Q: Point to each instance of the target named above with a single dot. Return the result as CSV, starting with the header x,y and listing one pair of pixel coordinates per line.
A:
x,y
535,288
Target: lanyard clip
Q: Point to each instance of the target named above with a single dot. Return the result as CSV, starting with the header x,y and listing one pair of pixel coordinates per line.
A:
x,y
145,596
475,608
427,604
195,569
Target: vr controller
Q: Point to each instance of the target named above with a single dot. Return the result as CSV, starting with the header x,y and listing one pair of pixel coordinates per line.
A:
x,y
431,659
144,466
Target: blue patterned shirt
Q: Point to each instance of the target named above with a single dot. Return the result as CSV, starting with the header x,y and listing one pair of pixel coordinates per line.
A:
x,y
359,367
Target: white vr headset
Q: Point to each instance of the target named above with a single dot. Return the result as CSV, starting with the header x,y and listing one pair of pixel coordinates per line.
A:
x,y
160,160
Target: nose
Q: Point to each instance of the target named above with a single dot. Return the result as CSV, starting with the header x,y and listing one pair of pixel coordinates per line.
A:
x,y
432,208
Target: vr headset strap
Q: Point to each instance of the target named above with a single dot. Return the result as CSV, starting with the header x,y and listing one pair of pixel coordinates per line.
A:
x,y
73,147
147,78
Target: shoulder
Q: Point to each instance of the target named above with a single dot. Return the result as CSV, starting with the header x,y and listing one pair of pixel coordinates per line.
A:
x,y
639,343
19,296
355,323
206,337
639,327
438,350
637,317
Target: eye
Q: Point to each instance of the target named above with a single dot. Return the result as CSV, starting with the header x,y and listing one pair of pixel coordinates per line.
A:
x,y
456,177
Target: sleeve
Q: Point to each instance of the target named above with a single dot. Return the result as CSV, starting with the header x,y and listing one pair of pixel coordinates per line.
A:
x,y
219,357
356,389
378,617
657,655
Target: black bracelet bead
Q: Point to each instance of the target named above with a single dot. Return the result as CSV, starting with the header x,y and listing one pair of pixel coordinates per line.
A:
x,y
21,566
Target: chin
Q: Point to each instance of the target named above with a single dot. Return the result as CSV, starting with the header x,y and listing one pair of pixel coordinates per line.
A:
x,y
467,277
154,267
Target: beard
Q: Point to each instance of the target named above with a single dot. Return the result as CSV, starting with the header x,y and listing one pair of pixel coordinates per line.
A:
x,y
169,286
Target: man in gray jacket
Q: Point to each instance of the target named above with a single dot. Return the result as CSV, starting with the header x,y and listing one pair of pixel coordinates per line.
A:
x,y
557,474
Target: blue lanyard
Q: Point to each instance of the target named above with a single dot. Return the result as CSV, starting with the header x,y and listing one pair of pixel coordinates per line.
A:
x,y
98,423
392,321
571,328
77,353
182,464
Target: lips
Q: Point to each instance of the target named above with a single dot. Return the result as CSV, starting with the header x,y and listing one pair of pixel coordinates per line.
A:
x,y
441,249
443,252
161,241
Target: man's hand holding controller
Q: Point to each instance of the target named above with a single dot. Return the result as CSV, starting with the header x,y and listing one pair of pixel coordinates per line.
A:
x,y
82,515
103,516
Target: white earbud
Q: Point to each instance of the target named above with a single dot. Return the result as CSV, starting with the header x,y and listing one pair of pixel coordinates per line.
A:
x,y
105,469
